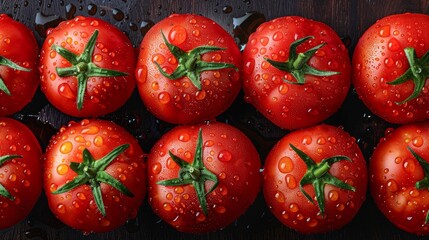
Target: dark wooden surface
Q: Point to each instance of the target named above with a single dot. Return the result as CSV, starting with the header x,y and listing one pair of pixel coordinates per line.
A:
x,y
348,17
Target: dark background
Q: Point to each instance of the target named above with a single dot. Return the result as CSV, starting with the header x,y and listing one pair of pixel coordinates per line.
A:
x,y
240,18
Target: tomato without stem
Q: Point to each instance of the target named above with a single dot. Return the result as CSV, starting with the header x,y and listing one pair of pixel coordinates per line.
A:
x,y
95,177
86,67
203,177
390,68
296,71
19,77
315,179
399,174
20,172
188,69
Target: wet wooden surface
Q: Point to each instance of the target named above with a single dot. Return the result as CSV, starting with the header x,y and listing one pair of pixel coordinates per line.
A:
x,y
349,18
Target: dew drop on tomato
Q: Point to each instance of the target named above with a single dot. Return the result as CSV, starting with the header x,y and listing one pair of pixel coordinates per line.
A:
x,y
177,35
61,209
293,207
220,209
104,222
64,90
184,137
156,168
62,169
418,141
224,156
392,185
164,97
333,195
279,196
285,165
66,147
311,222
384,31
291,181
200,217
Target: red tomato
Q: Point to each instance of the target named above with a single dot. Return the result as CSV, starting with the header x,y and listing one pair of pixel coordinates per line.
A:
x,y
315,179
203,177
399,173
87,67
387,83
19,56
20,172
188,69
95,177
296,71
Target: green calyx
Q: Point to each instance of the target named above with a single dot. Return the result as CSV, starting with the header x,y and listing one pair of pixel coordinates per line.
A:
x,y
424,183
297,63
7,62
194,173
190,63
3,191
83,67
418,73
318,176
91,172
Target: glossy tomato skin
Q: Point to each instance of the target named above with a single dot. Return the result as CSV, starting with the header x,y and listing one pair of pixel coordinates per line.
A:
x,y
293,106
379,58
227,153
284,169
179,101
18,45
22,177
77,208
113,50
394,172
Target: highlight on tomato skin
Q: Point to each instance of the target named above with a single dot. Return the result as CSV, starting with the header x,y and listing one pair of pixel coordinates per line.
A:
x,y
20,172
390,68
94,175
87,67
188,69
296,71
315,179
203,177
19,56
399,174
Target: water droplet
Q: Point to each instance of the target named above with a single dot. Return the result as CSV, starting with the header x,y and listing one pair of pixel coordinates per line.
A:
x,y
167,207
293,207
179,190
177,35
61,209
394,45
285,165
384,31
279,196
53,187
12,177
44,22
291,181
392,185
66,147
418,141
164,97
145,26
321,140
220,209
414,193
118,15
409,165
92,9
90,130
62,169
264,41
200,217
227,9
98,141
98,58
333,195
104,222
200,95
223,190
70,11
156,168
340,207
224,156
81,196
246,25
311,222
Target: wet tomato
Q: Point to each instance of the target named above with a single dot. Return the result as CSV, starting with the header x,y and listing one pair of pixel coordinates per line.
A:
x,y
87,67
315,179
296,71
95,177
20,171
390,64
19,54
399,170
188,69
203,177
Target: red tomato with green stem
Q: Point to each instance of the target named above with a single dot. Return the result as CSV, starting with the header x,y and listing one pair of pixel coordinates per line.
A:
x,y
203,177
390,68
296,71
95,177
399,171
19,57
87,67
188,69
315,179
20,171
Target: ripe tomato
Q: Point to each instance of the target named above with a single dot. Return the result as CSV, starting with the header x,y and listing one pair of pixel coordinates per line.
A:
x,y
19,54
20,172
315,179
87,67
95,177
203,177
399,173
390,68
188,69
296,71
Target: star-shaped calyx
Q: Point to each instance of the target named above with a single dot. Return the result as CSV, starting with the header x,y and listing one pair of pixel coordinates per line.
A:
x,y
91,172
194,173
317,175
83,67
418,73
8,63
297,63
190,63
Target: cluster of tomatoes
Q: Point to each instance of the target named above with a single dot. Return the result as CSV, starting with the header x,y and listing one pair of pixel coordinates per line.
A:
x,y
202,175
